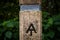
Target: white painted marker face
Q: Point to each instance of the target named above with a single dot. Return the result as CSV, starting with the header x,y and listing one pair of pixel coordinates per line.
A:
x,y
30,7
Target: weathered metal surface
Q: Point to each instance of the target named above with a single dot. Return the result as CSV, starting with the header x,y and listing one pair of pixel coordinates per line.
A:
x,y
29,1
30,20
30,7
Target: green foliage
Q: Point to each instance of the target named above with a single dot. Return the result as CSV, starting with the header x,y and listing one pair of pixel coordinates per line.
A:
x,y
47,23
9,29
51,26
51,20
8,34
9,20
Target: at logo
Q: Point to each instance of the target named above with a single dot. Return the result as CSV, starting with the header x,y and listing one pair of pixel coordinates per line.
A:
x,y
31,28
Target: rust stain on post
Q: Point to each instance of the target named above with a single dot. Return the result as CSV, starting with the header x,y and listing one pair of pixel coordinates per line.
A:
x,y
26,18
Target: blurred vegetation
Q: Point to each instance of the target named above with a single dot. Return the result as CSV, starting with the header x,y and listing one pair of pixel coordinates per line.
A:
x,y
51,19
9,20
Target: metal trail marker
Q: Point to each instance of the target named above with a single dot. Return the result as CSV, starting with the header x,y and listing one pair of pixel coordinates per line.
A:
x,y
30,20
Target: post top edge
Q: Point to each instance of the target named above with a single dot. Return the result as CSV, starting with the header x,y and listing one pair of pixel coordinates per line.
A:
x,y
29,2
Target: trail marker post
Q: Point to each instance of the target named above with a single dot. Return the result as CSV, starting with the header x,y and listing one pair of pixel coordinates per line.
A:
x,y
30,20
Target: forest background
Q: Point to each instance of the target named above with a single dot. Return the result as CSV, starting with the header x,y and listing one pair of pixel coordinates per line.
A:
x,y
9,19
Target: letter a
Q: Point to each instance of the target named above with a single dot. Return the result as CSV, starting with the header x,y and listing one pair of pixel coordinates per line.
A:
x,y
31,28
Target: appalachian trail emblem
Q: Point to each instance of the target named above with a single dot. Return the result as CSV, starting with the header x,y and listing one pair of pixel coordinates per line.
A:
x,y
31,28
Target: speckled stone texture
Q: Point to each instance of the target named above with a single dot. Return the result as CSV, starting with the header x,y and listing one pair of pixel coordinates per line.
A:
x,y
26,18
29,1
